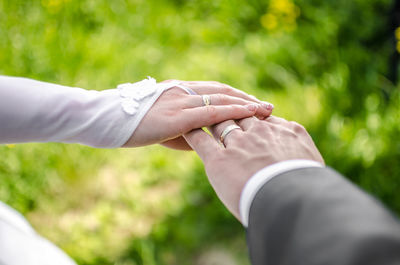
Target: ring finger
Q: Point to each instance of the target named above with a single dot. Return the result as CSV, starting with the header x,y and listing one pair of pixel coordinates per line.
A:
x,y
225,132
194,101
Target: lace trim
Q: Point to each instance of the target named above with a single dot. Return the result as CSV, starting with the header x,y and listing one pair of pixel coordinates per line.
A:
x,y
133,93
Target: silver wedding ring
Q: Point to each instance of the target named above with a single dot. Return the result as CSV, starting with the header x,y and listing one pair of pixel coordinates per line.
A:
x,y
227,130
206,100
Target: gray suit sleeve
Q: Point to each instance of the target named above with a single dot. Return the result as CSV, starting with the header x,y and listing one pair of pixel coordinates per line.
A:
x,y
314,216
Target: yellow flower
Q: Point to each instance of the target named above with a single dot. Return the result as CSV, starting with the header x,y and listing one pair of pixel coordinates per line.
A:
x,y
398,46
269,21
282,6
397,33
280,14
10,145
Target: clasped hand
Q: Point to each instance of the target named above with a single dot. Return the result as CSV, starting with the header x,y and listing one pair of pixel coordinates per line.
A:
x,y
254,143
177,112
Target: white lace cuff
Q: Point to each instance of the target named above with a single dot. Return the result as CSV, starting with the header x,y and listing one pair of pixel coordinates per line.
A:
x,y
137,98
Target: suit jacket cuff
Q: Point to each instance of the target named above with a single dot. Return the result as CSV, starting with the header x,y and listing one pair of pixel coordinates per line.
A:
x,y
258,180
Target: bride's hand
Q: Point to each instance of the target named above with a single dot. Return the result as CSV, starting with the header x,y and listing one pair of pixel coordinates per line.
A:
x,y
177,112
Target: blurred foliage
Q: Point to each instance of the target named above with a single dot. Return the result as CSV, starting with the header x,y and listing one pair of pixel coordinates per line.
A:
x,y
322,63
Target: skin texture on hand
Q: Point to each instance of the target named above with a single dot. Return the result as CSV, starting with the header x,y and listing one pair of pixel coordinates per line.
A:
x,y
177,112
259,143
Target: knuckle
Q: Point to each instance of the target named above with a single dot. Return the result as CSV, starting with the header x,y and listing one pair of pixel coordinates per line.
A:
x,y
298,128
292,134
288,133
220,99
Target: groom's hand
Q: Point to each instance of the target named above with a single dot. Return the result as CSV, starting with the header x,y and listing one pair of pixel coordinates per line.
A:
x,y
253,146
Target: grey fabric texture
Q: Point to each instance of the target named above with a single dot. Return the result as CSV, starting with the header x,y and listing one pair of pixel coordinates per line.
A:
x,y
314,216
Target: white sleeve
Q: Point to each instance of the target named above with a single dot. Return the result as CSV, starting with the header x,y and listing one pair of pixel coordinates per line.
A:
x,y
33,111
258,180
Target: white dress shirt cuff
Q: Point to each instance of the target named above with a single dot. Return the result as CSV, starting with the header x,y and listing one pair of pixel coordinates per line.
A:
x,y
258,180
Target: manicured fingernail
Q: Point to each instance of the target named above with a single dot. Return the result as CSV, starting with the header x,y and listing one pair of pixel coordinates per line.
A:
x,y
268,106
252,107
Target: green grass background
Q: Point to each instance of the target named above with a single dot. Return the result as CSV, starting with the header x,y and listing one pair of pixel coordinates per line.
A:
x,y
324,64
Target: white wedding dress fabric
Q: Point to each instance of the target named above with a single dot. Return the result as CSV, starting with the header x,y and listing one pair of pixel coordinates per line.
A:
x,y
33,111
21,245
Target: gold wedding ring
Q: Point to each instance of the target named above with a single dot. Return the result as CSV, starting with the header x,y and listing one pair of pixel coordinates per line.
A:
x,y
206,100
227,130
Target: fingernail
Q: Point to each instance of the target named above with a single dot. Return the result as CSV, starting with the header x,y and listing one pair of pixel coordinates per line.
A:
x,y
252,107
268,106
